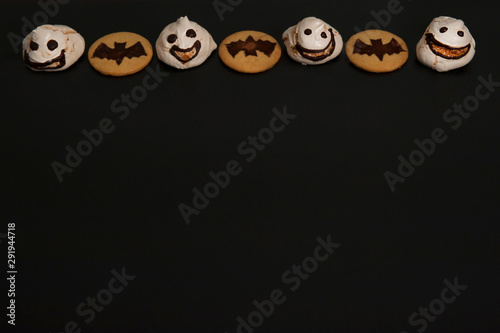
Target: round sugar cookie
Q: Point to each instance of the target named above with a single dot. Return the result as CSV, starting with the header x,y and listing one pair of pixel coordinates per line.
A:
x,y
250,51
120,54
377,51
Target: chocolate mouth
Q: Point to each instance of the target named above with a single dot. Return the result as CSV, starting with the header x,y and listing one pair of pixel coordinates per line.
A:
x,y
445,51
186,55
60,59
317,55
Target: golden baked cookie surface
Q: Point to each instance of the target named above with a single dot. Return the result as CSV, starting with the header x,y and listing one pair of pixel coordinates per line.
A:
x,y
120,54
377,51
250,51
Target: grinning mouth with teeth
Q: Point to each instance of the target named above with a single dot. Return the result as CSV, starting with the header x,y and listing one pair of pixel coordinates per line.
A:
x,y
445,51
186,55
60,59
317,55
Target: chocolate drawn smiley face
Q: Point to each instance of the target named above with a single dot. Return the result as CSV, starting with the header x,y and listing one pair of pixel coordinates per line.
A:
x,y
449,38
446,44
55,63
444,50
312,41
184,55
52,48
184,44
46,50
317,55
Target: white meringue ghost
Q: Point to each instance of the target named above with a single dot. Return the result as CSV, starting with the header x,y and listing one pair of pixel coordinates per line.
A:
x,y
184,44
312,42
446,44
52,48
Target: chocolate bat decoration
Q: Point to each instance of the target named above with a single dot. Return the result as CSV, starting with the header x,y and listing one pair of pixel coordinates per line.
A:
x,y
378,48
251,46
119,52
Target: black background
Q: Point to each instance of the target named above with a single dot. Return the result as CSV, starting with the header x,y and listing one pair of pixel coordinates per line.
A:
x,y
323,175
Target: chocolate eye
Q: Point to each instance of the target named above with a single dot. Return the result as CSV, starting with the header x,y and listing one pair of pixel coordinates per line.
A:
x,y
460,33
323,35
308,31
443,30
33,46
172,38
52,45
191,33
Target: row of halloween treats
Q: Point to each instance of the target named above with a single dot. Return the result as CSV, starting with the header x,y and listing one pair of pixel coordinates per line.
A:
x,y
446,44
